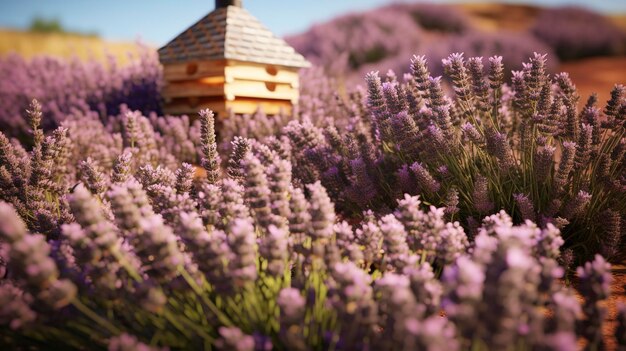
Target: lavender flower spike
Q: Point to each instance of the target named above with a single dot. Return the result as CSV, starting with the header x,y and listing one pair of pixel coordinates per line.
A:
x,y
233,339
292,309
210,157
241,240
30,262
595,285
322,212
274,250
127,342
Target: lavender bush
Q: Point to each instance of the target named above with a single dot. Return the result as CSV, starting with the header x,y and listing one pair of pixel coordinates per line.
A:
x,y
138,253
514,48
69,87
524,147
435,31
359,39
444,18
575,33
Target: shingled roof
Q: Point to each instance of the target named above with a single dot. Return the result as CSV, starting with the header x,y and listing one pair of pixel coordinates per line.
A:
x,y
230,32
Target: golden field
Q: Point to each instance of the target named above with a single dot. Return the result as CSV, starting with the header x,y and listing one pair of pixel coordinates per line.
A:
x,y
28,44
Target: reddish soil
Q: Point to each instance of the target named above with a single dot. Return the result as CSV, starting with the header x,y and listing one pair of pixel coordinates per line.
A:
x,y
618,295
495,17
599,75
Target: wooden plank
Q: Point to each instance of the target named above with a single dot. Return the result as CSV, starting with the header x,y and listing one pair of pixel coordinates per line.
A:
x,y
185,108
193,70
274,74
239,106
250,106
262,90
192,88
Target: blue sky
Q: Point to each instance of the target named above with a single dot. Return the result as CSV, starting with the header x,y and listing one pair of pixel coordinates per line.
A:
x,y
158,21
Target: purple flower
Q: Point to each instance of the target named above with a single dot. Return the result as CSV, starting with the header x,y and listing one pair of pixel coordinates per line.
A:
x,y
242,243
419,70
15,311
95,241
481,199
184,178
292,309
426,288
394,242
273,248
210,250
455,67
452,243
595,286
240,148
232,204
157,248
612,225
549,242
210,157
370,238
93,177
543,160
565,166
256,190
122,168
463,282
232,338
425,180
127,342
299,218
567,311
575,32
496,72
351,295
498,146
525,206
30,264
279,177
322,213
208,197
561,341
471,133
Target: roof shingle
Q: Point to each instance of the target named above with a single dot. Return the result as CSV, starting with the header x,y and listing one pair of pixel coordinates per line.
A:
x,y
230,33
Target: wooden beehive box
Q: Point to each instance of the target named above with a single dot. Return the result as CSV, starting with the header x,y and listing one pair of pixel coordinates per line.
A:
x,y
229,60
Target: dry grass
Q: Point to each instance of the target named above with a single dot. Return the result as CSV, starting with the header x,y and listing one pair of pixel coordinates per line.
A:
x,y
29,44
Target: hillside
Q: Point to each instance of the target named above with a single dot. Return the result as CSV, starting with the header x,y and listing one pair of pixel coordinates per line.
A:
x,y
351,45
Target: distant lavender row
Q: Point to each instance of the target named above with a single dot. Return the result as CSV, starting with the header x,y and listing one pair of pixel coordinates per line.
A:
x,y
70,87
350,46
145,257
354,40
576,33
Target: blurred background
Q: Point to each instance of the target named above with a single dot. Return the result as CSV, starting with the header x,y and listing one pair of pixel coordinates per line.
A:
x,y
347,38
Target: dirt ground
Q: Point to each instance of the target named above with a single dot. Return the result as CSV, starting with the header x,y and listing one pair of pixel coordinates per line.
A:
x,y
599,75
618,295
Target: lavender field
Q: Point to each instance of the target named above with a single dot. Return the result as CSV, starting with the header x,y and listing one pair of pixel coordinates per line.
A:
x,y
472,198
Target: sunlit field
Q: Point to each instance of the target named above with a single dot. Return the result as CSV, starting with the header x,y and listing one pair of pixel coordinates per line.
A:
x,y
442,177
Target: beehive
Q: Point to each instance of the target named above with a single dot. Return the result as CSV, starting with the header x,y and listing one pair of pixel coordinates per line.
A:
x,y
229,60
